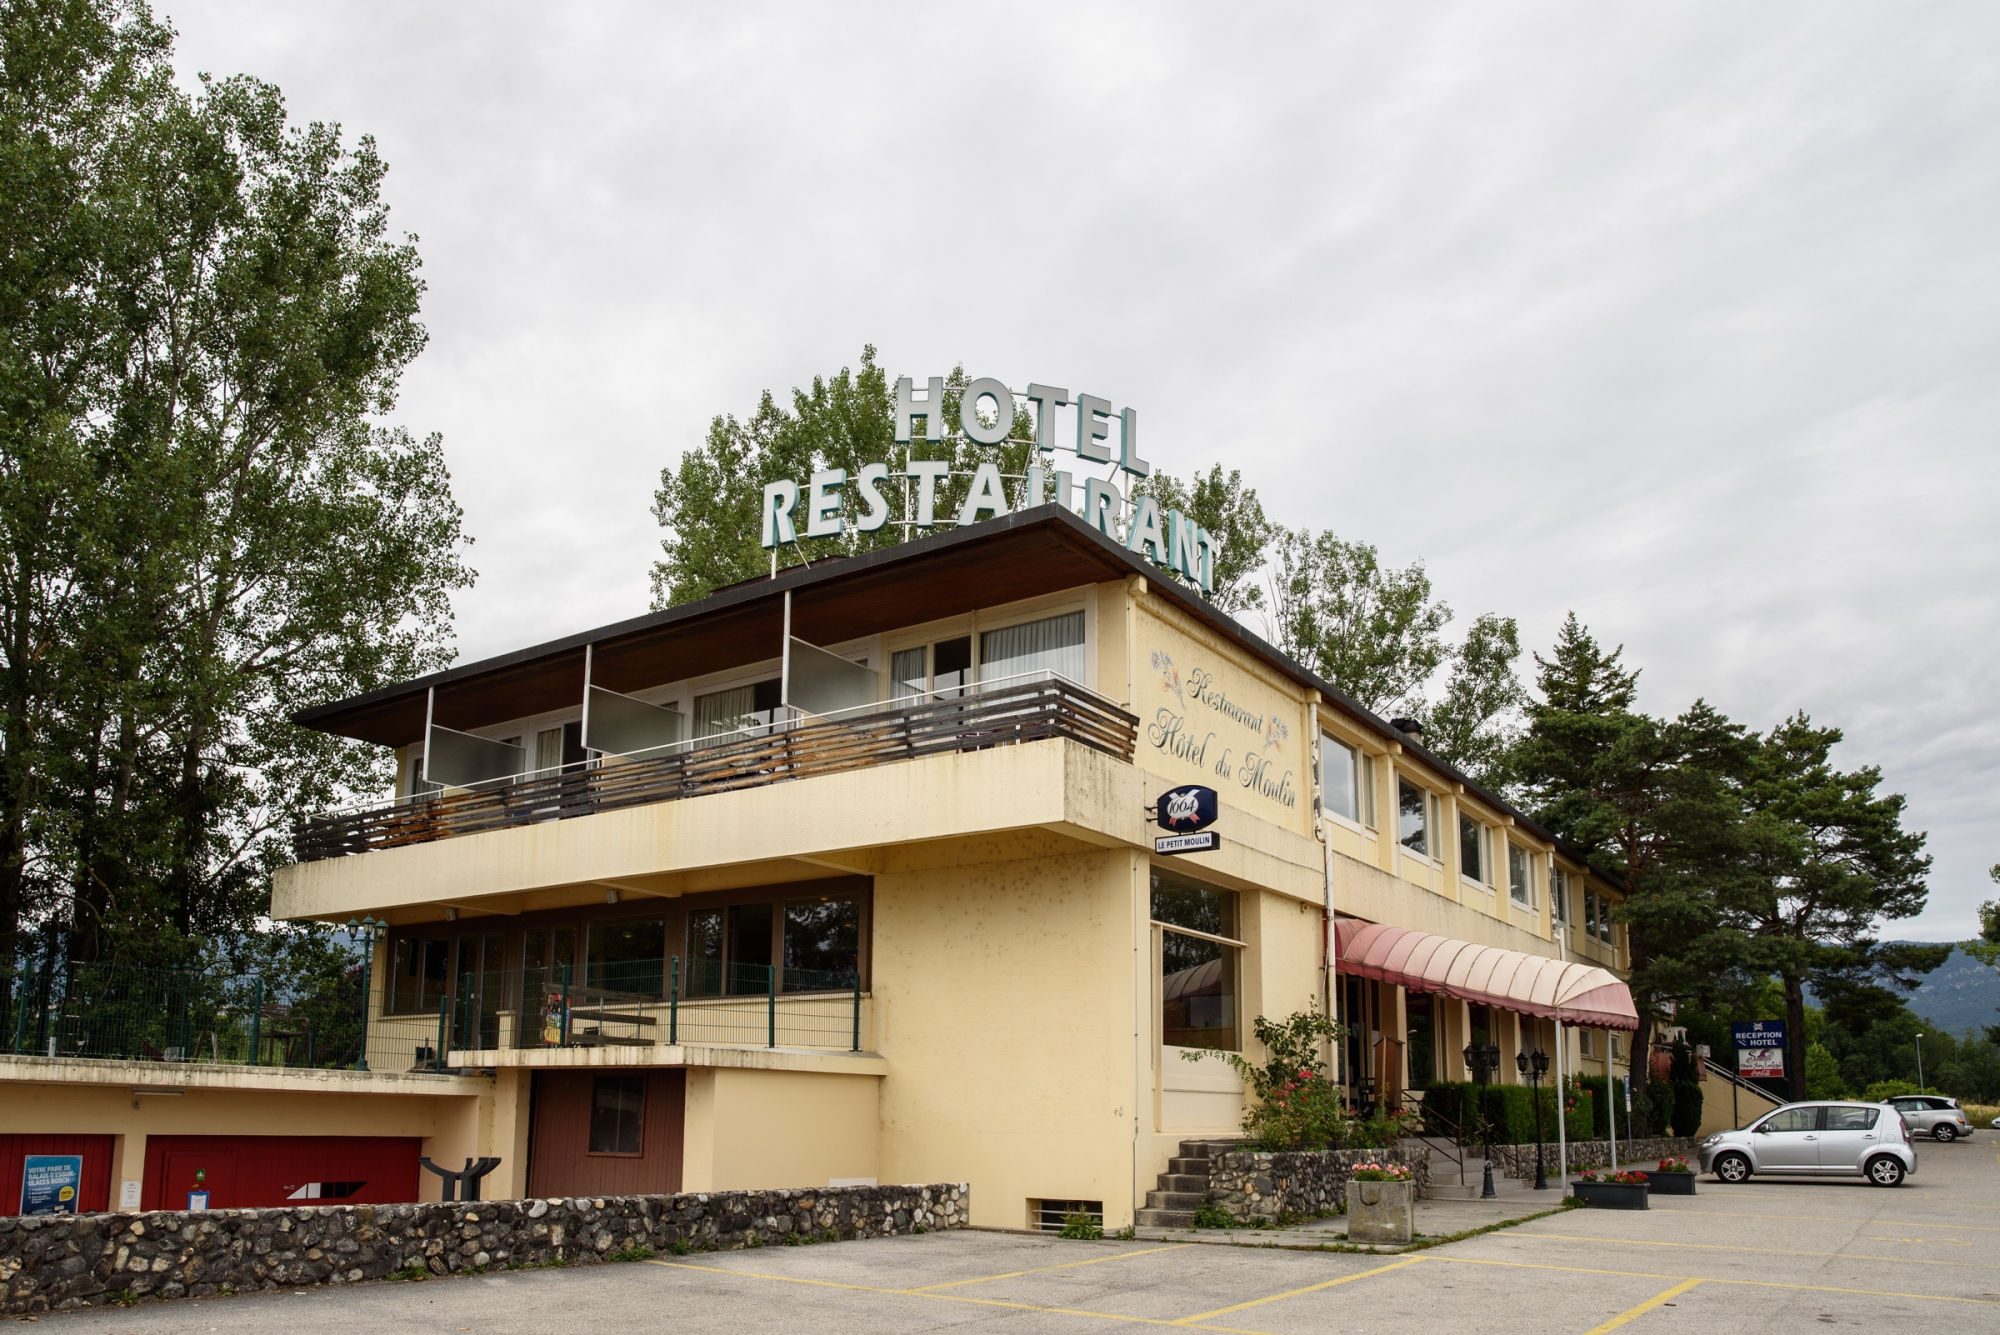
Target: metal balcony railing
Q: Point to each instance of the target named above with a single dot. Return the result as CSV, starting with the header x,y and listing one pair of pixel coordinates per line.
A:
x,y
975,718
648,1004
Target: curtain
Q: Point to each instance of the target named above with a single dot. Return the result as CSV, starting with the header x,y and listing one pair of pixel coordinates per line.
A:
x,y
1054,644
724,711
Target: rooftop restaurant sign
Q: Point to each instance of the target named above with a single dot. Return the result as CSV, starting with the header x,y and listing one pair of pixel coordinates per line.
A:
x,y
832,503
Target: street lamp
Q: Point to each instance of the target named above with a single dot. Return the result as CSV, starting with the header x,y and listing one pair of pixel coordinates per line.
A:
x,y
1484,1059
364,930
1534,1068
1920,1061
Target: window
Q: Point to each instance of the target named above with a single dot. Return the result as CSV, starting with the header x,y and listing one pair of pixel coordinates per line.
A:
x,y
1604,920
628,955
1520,875
1048,1216
909,672
1368,791
1617,1046
729,948
1337,778
1559,895
1054,644
1851,1119
822,943
422,975
617,1114
951,665
736,709
1471,849
1791,1119
1590,913
1413,806
1197,970
1586,1043
549,749
1420,1019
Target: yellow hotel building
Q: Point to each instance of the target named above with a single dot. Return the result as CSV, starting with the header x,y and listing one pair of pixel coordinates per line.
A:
x,y
849,875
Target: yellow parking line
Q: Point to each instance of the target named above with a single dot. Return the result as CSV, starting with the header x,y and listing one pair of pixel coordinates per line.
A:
x,y
1293,1293
1763,1251
1016,1274
1185,1323
1643,1308
1710,1279
1825,1219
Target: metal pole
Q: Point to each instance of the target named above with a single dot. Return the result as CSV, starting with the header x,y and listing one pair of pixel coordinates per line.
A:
x,y
674,1005
257,1024
444,1021
565,1015
771,1010
1486,1192
1610,1101
1541,1171
1920,1061
1562,1117
857,1011
367,990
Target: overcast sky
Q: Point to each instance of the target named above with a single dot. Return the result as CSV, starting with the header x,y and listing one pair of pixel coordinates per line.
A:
x,y
1683,316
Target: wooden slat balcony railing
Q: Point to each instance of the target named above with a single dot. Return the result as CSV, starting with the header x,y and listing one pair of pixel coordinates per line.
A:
x,y
988,715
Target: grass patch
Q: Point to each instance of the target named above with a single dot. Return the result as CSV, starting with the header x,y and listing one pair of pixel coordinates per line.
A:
x,y
639,1253
413,1272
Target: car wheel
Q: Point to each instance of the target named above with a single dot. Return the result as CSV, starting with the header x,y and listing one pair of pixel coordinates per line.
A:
x,y
1732,1168
1884,1171
1944,1133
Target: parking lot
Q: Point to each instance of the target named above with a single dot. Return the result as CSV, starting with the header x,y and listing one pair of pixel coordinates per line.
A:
x,y
1767,1256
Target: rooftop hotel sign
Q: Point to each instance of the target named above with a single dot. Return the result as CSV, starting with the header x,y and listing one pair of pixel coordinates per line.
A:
x,y
832,503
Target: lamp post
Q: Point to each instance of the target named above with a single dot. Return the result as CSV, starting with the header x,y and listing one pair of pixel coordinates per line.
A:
x,y
1484,1059
1920,1061
1534,1068
364,930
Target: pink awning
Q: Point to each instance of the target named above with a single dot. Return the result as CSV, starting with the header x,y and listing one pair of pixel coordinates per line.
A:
x,y
1486,975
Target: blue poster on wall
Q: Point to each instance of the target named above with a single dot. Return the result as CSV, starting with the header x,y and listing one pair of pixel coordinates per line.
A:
x,y
49,1183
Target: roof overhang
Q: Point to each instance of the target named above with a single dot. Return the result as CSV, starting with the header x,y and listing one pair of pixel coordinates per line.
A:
x,y
1511,980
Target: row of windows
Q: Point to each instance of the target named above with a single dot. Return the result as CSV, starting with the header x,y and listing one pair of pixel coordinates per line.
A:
x,y
724,950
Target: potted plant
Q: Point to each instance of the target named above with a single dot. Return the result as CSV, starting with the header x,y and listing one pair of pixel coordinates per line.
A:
x,y
1381,1203
1606,1190
1674,1177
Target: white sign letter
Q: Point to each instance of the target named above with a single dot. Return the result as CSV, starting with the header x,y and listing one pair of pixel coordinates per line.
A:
x,y
1003,411
870,481
986,493
1145,531
1101,506
1128,444
1047,399
823,503
1092,428
930,408
927,472
780,498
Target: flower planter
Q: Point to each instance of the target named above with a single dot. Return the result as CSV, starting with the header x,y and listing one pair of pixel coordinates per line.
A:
x,y
1381,1211
1671,1184
1611,1195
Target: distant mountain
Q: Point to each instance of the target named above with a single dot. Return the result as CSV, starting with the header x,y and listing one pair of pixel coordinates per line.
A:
x,y
1962,993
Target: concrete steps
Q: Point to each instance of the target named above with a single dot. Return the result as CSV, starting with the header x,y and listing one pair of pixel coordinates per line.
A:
x,y
1182,1186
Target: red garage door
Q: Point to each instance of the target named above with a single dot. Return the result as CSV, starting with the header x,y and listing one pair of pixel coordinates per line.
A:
x,y
95,1189
244,1171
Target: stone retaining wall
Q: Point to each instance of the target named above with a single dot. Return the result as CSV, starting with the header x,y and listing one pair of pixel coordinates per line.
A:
x,y
1252,1184
1519,1160
68,1261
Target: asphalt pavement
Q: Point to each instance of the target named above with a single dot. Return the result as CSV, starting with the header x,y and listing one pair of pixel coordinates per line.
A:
x,y
1770,1256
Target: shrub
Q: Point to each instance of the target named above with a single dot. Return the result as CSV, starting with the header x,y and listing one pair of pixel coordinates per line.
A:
x,y
639,1253
1624,1176
1677,1164
1687,1109
1297,1107
1081,1226
1889,1089
1510,1108
1600,1112
1211,1215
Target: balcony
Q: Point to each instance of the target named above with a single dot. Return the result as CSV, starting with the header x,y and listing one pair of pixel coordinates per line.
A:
x,y
975,718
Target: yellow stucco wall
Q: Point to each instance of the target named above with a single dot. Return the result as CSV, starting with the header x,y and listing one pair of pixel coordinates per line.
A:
x,y
751,1128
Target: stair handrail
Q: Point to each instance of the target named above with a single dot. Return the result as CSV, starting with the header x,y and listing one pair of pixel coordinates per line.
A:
x,y
1452,1150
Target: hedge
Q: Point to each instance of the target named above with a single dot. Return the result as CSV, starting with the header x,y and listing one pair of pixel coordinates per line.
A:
x,y
1511,1108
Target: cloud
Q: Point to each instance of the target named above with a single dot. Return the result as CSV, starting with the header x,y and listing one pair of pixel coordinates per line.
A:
x,y
1683,318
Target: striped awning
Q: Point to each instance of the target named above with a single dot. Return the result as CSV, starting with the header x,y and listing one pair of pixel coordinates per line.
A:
x,y
1486,975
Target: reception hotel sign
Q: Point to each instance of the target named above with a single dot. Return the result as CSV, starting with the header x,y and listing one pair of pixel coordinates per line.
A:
x,y
831,503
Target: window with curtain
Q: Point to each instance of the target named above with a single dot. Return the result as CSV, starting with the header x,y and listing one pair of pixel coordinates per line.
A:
x,y
1604,920
1054,644
549,750
738,708
909,672
1337,777
1559,895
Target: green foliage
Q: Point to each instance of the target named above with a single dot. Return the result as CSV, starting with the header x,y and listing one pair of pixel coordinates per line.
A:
x,y
638,1253
1373,632
1233,514
1297,1106
203,529
1823,1074
414,1271
1889,1089
1472,725
1686,1117
1081,1226
1211,1215
1598,1106
1509,1108
680,1247
1126,1234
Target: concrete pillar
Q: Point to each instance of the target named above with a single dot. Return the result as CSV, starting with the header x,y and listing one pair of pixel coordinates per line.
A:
x,y
128,1170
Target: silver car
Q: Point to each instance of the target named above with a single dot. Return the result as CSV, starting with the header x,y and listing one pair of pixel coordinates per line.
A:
x,y
1817,1140
1932,1115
